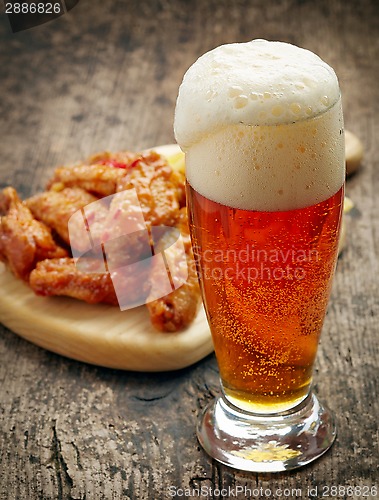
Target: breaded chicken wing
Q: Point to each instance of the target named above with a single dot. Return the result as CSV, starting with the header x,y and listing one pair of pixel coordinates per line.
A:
x,y
160,190
178,309
55,208
23,240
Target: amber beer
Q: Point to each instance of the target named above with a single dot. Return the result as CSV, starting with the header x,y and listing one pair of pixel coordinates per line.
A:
x,y
266,278
262,130
266,241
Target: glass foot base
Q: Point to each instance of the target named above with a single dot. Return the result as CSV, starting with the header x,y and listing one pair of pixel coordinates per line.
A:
x,y
266,443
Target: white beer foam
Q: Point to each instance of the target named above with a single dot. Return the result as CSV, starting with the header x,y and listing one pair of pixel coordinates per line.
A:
x,y
261,125
255,83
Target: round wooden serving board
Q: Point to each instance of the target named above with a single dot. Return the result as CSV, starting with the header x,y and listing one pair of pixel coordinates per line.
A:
x,y
100,334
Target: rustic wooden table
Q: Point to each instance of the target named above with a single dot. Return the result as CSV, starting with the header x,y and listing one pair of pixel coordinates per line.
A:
x,y
105,76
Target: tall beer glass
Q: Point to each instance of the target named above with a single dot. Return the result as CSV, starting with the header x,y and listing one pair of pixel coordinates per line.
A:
x,y
261,125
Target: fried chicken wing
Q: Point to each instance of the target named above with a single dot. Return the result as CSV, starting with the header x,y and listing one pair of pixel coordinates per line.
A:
x,y
160,190
115,210
55,208
23,240
178,309
62,277
121,159
98,175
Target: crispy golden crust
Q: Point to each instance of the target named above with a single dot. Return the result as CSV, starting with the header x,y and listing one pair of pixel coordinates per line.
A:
x,y
23,240
159,189
62,277
178,309
55,208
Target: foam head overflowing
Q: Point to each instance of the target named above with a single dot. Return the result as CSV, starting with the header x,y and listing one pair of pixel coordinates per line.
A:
x,y
261,126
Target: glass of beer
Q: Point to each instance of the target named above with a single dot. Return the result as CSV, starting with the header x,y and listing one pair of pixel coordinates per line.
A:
x,y
262,129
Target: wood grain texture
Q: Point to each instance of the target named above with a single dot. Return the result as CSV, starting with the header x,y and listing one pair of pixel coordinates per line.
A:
x,y
105,76
100,334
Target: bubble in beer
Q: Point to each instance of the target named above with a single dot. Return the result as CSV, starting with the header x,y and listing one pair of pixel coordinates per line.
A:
x,y
295,108
325,100
277,110
235,91
240,101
